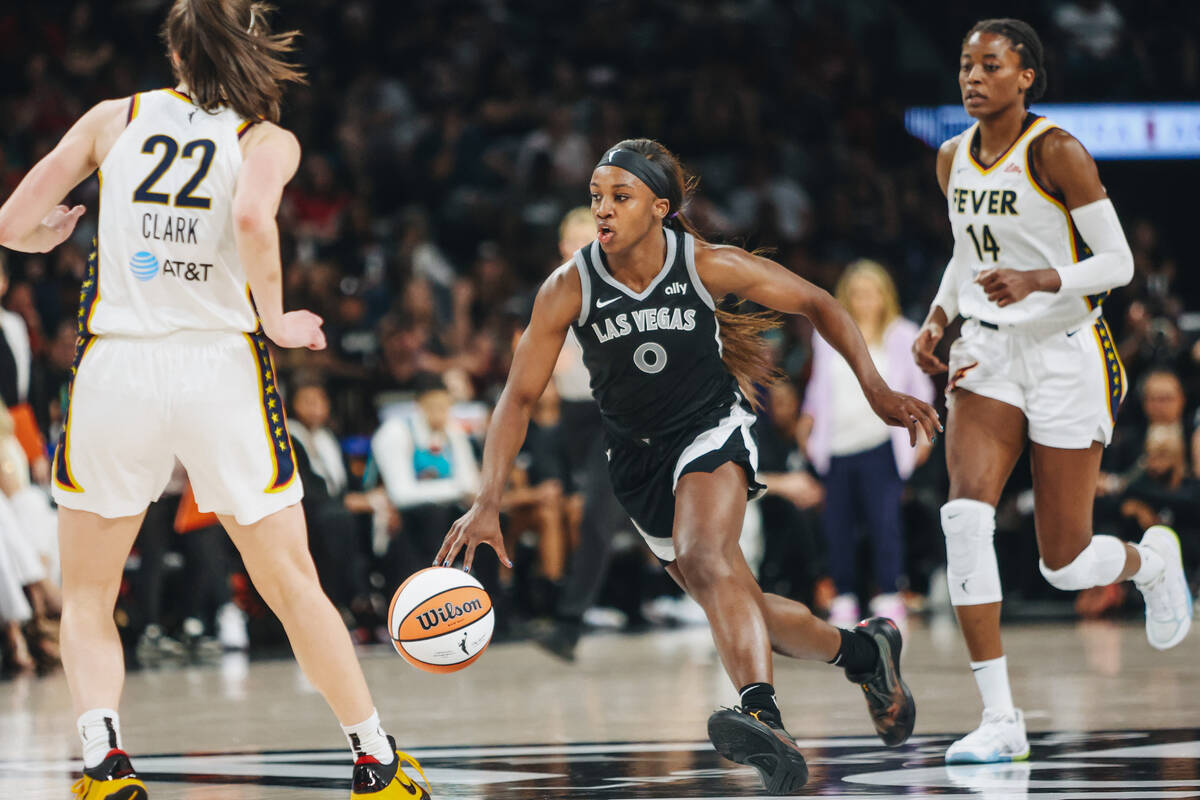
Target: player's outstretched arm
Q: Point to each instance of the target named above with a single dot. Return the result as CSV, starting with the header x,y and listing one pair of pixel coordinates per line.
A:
x,y
557,305
269,160
31,220
731,270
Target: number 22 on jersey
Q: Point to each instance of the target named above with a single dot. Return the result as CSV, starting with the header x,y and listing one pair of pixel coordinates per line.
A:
x,y
185,198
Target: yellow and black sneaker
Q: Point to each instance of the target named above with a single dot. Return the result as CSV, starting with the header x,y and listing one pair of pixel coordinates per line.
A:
x,y
759,740
388,781
888,699
112,779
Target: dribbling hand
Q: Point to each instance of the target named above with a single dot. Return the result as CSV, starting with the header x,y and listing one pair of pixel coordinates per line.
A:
x,y
297,329
478,526
923,347
904,411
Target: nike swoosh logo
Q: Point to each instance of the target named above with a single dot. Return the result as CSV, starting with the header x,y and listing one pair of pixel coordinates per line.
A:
x,y
600,304
408,786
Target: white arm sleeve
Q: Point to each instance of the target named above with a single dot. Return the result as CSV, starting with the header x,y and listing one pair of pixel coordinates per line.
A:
x,y
947,293
1111,262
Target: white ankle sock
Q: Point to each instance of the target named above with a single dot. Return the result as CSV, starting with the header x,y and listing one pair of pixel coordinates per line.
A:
x,y
1152,564
992,678
368,738
100,732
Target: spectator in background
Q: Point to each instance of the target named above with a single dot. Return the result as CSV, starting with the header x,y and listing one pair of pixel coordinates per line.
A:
x,y
863,463
429,472
1160,491
601,515
29,595
16,372
339,550
1163,403
793,562
535,501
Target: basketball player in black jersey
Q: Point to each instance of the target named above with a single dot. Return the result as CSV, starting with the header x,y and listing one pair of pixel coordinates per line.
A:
x,y
672,374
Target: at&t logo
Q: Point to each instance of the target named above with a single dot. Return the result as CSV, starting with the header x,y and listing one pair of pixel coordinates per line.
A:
x,y
143,265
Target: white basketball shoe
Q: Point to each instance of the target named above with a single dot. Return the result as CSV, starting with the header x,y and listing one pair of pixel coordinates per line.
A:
x,y
1168,599
1000,737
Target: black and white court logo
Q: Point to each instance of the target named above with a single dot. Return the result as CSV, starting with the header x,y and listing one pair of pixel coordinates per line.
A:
x,y
1156,765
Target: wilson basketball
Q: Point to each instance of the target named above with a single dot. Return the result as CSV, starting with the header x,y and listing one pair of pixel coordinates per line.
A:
x,y
440,619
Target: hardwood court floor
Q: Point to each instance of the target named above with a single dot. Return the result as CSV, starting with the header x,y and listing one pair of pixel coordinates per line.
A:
x,y
1114,719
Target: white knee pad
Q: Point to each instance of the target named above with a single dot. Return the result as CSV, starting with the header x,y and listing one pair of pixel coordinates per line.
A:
x,y
1099,564
971,569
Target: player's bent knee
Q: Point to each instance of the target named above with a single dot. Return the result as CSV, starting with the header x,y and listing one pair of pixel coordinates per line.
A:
x,y
1099,564
971,570
701,567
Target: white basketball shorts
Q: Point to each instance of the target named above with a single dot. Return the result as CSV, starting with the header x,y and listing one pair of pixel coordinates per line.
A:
x,y
1068,384
206,398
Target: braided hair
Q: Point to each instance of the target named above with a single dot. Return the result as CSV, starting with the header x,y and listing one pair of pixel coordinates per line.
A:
x,y
1025,41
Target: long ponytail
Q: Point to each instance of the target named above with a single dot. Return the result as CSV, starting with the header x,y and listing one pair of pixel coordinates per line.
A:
x,y
745,352
227,56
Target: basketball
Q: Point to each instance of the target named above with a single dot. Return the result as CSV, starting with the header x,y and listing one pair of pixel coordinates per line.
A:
x,y
440,619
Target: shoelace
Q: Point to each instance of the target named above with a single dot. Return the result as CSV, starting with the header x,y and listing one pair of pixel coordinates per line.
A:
x,y
987,732
80,787
405,758
1158,597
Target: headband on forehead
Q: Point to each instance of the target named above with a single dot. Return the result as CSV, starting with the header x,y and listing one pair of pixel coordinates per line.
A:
x,y
651,174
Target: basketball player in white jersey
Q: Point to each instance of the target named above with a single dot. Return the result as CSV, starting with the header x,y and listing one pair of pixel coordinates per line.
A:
x,y
1037,246
172,361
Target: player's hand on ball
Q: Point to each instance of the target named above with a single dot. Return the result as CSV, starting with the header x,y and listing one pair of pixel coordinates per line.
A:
x,y
479,525
904,411
297,329
923,347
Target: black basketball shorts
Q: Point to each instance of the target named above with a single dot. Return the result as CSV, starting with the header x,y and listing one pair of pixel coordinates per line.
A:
x,y
645,472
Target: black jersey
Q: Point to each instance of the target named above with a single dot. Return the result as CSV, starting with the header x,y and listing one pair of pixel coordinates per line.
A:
x,y
654,356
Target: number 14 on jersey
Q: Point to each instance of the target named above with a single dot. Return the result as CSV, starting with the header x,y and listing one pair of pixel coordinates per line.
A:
x,y
984,243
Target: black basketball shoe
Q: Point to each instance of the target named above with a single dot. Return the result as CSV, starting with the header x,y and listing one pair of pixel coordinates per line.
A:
x,y
758,739
890,702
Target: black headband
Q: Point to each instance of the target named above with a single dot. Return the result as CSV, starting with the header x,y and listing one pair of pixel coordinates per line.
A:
x,y
651,174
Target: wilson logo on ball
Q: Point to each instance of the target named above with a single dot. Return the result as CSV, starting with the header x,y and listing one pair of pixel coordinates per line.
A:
x,y
435,616
441,619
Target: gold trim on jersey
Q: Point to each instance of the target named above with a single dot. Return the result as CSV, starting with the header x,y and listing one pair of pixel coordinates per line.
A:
x,y
1092,300
134,104
180,95
244,126
985,170
274,419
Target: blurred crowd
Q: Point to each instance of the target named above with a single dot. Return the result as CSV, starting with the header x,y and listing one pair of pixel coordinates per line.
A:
x,y
444,143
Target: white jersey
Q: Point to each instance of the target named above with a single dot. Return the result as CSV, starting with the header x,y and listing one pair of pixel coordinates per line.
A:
x,y
1002,217
166,259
